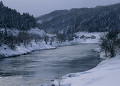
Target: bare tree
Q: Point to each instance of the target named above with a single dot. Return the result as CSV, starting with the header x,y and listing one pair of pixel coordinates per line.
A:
x,y
46,39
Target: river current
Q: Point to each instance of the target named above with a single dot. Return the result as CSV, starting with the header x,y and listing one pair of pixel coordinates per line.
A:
x,y
41,66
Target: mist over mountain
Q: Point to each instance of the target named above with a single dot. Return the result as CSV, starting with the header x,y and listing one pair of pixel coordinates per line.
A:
x,y
98,19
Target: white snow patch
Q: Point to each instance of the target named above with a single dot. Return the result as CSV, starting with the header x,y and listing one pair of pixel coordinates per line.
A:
x,y
37,31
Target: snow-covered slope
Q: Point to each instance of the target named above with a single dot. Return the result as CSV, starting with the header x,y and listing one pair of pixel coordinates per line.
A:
x,y
107,73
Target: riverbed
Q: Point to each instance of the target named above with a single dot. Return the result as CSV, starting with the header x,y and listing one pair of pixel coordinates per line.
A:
x,y
40,67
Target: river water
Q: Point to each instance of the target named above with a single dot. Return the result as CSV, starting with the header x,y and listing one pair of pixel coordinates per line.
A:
x,y
40,67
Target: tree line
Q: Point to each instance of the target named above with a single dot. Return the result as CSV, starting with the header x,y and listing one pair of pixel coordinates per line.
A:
x,y
10,18
98,19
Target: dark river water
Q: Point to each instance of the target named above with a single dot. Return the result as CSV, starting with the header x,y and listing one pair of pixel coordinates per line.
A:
x,y
41,66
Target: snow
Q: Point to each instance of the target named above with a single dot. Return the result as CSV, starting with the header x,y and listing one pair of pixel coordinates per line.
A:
x,y
37,31
107,73
85,37
101,53
10,31
15,32
6,51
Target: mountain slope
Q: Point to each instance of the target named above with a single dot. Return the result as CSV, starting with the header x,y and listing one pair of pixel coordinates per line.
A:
x,y
10,18
100,18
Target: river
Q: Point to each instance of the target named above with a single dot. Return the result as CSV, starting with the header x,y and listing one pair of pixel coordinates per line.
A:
x,y
41,66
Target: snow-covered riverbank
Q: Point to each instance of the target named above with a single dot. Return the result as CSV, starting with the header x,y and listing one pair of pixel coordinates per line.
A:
x,y
5,51
107,73
83,37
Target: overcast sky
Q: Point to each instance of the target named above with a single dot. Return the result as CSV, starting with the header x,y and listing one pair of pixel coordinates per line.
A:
x,y
40,7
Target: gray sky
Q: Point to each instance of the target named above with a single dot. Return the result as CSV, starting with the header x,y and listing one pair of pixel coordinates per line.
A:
x,y
40,7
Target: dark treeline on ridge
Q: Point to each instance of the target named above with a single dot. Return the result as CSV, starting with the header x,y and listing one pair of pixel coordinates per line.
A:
x,y
10,18
98,19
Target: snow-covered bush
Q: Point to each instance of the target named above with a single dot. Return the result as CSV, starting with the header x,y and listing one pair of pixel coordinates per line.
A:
x,y
109,43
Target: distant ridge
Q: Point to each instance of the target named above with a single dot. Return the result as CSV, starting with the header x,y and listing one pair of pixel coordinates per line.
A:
x,y
100,18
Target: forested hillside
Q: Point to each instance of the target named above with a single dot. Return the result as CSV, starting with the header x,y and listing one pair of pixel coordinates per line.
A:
x,y
100,18
15,29
10,18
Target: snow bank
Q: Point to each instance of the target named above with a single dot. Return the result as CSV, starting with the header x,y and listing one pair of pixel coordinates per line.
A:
x,y
83,37
107,73
101,53
5,51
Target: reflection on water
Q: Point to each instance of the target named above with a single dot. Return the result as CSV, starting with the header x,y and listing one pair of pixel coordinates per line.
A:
x,y
39,66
